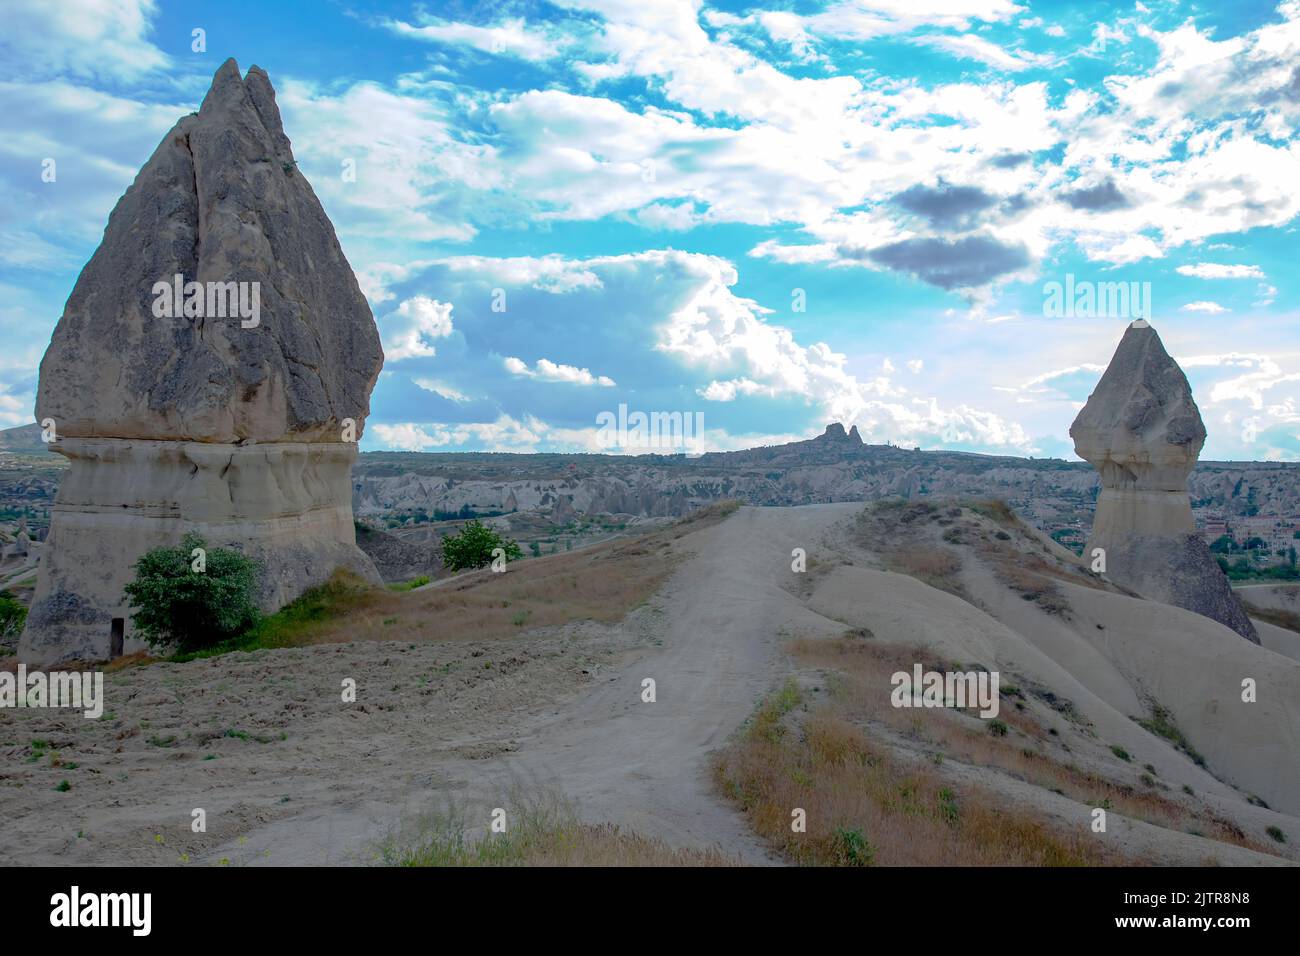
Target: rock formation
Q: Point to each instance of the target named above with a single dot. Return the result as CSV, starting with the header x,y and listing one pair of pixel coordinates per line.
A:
x,y
226,401
1142,431
835,432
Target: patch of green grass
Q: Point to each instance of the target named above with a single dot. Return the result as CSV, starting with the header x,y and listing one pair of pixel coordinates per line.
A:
x,y
948,805
410,585
767,721
1277,834
852,848
63,786
1120,752
1161,723
998,728
292,624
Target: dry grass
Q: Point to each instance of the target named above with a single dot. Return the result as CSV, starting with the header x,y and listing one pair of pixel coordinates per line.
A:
x,y
1028,752
864,807
1275,616
864,803
602,583
899,533
540,830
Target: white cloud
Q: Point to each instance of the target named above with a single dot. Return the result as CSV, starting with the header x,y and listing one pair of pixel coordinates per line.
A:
x,y
867,19
416,181
544,370
407,330
1213,308
106,39
503,434
972,47
1214,270
510,37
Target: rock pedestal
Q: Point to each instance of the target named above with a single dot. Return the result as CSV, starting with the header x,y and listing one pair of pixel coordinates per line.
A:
x,y
1143,433
240,426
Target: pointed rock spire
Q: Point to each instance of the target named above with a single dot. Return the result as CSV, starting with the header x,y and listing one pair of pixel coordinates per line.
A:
x,y
1142,431
222,205
211,373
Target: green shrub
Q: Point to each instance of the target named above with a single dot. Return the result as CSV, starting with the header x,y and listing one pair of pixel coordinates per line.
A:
x,y
193,609
12,615
473,547
851,847
411,585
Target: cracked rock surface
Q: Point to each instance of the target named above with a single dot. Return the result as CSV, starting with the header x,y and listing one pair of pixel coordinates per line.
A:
x,y
231,422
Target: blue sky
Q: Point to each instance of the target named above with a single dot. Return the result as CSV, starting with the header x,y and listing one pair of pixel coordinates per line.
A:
x,y
777,215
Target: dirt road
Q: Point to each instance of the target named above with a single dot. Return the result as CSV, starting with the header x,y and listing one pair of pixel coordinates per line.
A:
x,y
715,631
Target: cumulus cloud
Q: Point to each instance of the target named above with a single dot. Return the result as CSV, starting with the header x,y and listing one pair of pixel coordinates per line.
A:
x,y
105,39
663,325
1101,197
547,371
946,206
407,330
1213,308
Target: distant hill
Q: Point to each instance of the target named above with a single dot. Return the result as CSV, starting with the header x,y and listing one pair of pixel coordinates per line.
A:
x,y
1056,495
23,440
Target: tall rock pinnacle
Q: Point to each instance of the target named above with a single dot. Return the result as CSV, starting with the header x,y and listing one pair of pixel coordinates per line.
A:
x,y
220,201
1142,431
211,372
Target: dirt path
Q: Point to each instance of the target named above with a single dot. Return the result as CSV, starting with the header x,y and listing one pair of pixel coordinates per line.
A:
x,y
645,765
715,631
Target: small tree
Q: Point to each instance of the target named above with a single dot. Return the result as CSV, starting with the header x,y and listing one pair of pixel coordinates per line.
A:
x,y
1222,544
193,609
12,615
473,547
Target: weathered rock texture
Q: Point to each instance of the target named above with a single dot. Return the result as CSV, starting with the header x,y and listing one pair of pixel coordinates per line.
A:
x,y
1142,431
198,423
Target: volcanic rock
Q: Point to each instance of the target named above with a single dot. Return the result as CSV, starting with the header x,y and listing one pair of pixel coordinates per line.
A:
x,y
1143,433
176,414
